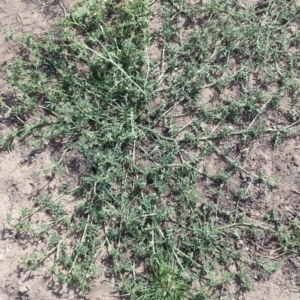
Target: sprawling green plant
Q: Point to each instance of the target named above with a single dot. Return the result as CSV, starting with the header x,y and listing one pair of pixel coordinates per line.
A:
x,y
147,136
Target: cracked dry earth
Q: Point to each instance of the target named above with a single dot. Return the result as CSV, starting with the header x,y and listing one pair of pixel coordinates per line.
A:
x,y
21,178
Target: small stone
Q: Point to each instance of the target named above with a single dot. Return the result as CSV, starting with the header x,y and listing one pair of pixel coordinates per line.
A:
x,y
23,289
239,244
293,29
296,160
243,176
1,257
20,282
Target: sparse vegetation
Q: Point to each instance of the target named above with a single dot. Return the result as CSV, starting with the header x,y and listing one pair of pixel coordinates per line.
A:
x,y
151,192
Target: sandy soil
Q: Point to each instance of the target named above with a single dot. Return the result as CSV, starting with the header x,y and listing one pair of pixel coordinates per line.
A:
x,y
21,178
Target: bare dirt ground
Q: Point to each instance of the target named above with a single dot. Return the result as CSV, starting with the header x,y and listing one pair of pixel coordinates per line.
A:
x,y
21,178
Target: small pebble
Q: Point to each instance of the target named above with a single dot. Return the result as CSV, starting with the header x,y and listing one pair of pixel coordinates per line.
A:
x,y
239,244
296,160
23,289
243,176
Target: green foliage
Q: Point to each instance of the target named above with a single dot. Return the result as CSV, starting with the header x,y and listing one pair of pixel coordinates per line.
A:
x,y
166,282
143,126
